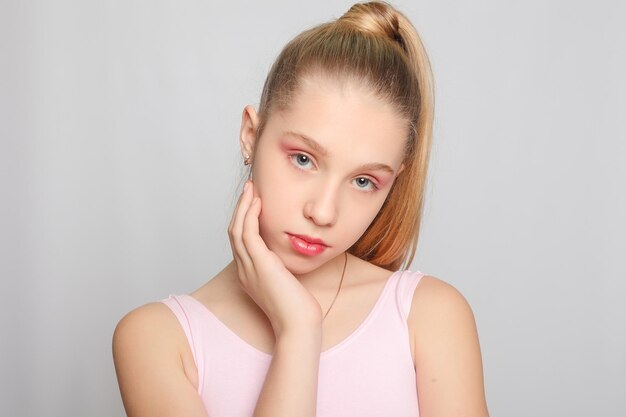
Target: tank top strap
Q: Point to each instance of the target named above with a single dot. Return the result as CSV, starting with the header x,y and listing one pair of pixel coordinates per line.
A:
x,y
406,284
183,311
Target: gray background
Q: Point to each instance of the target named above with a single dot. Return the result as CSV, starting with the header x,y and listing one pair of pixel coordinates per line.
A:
x,y
119,167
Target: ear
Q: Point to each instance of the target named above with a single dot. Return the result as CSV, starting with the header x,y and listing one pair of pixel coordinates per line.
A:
x,y
247,134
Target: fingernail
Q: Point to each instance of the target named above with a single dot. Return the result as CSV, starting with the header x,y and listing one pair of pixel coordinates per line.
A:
x,y
245,186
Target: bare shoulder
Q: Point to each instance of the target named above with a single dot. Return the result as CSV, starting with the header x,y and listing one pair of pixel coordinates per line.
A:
x,y
446,351
438,313
152,363
434,297
145,325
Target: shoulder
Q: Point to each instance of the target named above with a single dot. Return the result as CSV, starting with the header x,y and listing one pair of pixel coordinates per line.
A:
x,y
149,344
446,351
150,322
433,295
151,331
439,306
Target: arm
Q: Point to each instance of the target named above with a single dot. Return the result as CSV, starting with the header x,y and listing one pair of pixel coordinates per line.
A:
x,y
449,373
153,360
148,347
290,387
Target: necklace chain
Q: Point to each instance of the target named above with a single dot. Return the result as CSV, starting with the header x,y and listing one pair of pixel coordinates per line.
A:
x,y
338,289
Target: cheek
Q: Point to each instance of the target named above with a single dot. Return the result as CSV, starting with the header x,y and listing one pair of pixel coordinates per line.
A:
x,y
271,222
268,174
359,218
278,204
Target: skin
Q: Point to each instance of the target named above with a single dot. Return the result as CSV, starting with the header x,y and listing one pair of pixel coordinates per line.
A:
x,y
329,186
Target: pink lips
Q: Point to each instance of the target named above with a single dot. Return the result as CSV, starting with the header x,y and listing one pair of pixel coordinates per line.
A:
x,y
306,245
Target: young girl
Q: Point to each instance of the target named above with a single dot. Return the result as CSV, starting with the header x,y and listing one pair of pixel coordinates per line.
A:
x,y
315,315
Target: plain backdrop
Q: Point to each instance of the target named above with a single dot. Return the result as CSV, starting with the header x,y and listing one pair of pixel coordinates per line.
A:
x,y
119,167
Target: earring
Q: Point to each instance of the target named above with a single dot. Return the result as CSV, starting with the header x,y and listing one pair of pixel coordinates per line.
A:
x,y
246,159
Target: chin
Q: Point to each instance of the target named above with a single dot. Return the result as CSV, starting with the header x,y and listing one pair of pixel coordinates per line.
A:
x,y
299,265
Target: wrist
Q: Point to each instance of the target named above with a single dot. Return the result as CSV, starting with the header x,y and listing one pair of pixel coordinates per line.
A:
x,y
299,340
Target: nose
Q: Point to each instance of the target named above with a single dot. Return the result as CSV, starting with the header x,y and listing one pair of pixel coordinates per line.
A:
x,y
321,208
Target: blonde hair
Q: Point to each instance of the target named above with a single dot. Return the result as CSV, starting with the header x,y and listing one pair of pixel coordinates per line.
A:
x,y
377,46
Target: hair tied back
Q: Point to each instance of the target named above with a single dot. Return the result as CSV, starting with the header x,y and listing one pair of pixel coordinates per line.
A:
x,y
376,17
377,46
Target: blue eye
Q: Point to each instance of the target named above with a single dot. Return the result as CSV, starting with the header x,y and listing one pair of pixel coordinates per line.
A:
x,y
301,161
365,184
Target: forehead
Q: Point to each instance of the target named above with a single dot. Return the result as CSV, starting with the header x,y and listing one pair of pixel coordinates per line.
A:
x,y
346,119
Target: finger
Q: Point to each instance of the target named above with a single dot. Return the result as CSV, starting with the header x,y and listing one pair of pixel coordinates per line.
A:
x,y
243,276
243,264
236,230
254,243
232,218
240,210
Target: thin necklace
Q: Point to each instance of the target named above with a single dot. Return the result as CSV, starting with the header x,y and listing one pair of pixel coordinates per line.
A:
x,y
338,289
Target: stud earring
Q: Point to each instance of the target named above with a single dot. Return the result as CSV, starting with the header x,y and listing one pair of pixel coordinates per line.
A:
x,y
246,159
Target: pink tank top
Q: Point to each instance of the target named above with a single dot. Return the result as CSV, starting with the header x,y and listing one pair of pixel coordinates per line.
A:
x,y
369,373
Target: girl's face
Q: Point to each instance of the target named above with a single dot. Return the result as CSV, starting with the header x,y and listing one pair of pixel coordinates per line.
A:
x,y
323,169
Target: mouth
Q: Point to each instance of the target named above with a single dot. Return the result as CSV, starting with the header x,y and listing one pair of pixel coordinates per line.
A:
x,y
307,245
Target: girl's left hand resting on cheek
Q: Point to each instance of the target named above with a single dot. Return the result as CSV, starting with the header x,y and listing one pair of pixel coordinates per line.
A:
x,y
289,306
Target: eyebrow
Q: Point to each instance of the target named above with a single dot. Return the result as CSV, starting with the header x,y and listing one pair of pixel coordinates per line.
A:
x,y
309,142
375,166
372,166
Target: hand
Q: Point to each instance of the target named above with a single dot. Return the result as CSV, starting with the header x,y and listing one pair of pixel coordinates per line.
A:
x,y
289,306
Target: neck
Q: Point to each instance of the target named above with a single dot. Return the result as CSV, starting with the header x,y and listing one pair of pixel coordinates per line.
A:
x,y
324,278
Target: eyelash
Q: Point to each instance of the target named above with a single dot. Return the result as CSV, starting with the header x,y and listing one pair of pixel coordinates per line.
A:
x,y
293,158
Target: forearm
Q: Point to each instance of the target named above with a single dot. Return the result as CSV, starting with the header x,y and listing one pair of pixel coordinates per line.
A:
x,y
290,387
